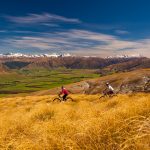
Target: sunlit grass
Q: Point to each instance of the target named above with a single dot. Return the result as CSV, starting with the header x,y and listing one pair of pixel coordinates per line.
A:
x,y
34,122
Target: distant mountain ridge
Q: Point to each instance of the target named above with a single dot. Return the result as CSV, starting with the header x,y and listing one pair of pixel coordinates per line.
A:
x,y
103,64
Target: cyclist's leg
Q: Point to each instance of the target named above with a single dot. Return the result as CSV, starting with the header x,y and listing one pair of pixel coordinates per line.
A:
x,y
103,94
111,93
64,97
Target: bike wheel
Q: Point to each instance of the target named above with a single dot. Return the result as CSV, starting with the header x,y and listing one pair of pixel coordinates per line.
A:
x,y
103,96
114,95
56,100
69,99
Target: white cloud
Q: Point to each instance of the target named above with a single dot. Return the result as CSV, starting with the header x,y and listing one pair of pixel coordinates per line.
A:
x,y
81,42
121,32
40,18
3,31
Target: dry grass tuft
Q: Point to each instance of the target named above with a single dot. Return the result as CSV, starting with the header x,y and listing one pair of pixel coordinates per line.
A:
x,y
34,122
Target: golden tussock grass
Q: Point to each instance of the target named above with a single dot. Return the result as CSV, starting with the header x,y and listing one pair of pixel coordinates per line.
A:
x,y
34,122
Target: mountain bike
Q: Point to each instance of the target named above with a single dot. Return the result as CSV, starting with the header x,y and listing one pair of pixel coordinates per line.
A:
x,y
107,93
60,99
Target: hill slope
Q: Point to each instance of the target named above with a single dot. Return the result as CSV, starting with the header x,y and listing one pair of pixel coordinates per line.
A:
x,y
130,65
120,123
126,82
75,63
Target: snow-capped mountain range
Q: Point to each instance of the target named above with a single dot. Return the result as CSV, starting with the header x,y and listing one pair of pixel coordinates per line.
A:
x,y
15,55
126,56
19,55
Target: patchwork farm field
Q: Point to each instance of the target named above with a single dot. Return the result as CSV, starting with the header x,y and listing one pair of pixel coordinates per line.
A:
x,y
26,81
35,122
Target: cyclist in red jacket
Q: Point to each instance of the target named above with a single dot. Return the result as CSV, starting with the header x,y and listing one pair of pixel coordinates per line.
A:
x,y
64,92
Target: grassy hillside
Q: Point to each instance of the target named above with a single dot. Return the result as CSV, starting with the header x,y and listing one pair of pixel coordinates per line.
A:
x,y
49,81
126,82
34,122
27,75
30,80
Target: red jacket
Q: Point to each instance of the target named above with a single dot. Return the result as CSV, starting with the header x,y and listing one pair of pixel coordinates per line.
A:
x,y
64,91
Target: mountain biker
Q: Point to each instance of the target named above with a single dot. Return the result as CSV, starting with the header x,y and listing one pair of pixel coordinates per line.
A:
x,y
64,92
109,89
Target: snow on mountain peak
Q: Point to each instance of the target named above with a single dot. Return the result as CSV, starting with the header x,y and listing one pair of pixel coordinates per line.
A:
x,y
34,55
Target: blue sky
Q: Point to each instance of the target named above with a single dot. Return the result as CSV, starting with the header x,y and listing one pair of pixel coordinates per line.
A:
x,y
81,27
